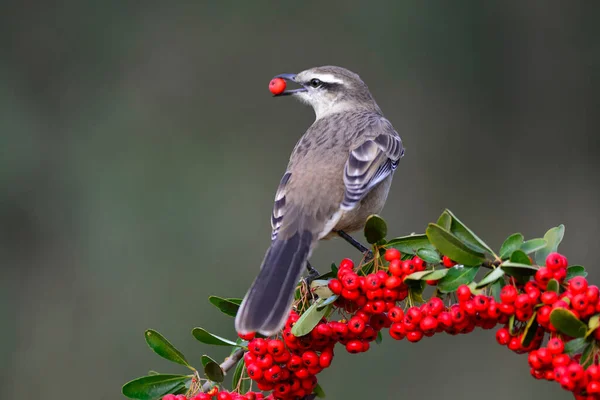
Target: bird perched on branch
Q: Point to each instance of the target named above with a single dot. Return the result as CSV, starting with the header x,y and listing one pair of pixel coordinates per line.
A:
x,y
339,173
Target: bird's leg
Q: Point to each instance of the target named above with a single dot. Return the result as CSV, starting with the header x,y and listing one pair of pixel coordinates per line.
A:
x,y
356,244
312,275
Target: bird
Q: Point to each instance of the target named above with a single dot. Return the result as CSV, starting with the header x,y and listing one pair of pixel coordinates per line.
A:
x,y
339,173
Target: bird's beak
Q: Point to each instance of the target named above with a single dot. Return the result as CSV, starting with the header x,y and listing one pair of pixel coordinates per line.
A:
x,y
289,78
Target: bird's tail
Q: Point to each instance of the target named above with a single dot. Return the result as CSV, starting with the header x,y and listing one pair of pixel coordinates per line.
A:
x,y
267,303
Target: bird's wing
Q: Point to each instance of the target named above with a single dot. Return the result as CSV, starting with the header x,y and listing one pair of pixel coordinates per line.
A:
x,y
370,162
279,205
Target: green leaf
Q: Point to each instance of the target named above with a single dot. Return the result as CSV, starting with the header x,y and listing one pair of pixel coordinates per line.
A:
x,y
153,386
429,256
575,270
375,229
437,274
530,331
573,346
415,291
496,287
237,383
518,270
533,245
410,244
214,372
309,319
511,325
553,238
450,246
593,324
587,357
152,372
512,243
379,338
566,322
164,348
456,276
226,306
520,257
491,277
329,301
417,276
202,335
467,236
553,286
234,300
319,391
206,359
445,221
320,287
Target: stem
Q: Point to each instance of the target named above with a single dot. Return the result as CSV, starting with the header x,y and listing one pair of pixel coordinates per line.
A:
x,y
491,264
226,365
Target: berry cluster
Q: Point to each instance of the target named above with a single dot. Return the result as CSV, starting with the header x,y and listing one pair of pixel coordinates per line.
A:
x,y
287,365
215,394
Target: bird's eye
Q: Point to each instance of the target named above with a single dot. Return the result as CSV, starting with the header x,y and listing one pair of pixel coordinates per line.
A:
x,y
315,83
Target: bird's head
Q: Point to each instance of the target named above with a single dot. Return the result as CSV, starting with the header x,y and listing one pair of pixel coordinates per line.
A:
x,y
330,90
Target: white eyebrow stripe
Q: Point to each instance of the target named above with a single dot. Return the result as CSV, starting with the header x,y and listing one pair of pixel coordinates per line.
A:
x,y
327,78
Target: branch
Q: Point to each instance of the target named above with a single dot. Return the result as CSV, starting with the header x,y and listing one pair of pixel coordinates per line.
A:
x,y
226,365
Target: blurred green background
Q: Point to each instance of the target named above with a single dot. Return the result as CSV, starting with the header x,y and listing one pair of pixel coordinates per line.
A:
x,y
140,151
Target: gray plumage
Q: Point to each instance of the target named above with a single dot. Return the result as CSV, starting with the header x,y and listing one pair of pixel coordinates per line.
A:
x,y
339,173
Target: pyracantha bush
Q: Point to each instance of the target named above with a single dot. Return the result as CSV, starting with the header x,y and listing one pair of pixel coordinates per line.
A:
x,y
544,308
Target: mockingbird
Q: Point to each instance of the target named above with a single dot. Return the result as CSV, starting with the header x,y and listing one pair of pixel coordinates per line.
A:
x,y
339,173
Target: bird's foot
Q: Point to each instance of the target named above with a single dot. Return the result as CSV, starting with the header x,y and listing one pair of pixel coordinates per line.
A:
x,y
312,274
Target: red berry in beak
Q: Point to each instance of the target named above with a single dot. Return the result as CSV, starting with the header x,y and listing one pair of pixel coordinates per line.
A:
x,y
277,86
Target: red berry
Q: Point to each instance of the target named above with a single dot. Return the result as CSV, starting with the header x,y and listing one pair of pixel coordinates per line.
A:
x,y
428,324
556,346
414,336
325,359
395,267
408,267
354,346
254,371
346,263
246,336
593,388
264,361
435,306
508,294
295,363
445,319
448,263
414,315
503,336
258,346
593,372
561,360
575,371
418,263
392,254
555,261
350,281
481,303
393,282
310,359
560,275
522,302
463,293
335,286
549,297
579,302
543,276
275,347
372,282
277,86
302,373
169,397
578,285
224,396
350,294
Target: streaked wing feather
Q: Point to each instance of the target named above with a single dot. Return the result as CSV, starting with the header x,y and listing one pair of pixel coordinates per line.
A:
x,y
369,164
